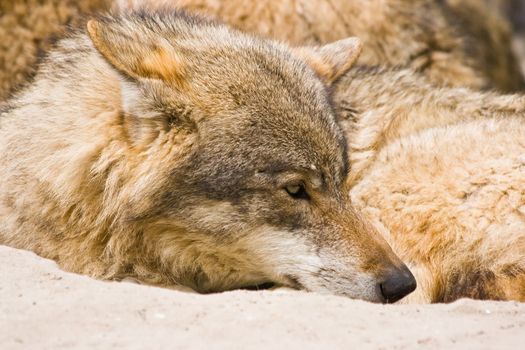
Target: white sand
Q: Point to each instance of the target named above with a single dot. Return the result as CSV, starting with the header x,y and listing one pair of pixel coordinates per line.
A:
x,y
42,307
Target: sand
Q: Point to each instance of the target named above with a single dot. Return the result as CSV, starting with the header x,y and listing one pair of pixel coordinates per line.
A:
x,y
43,307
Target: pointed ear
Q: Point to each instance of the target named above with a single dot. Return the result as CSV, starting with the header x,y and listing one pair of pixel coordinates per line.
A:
x,y
136,53
332,60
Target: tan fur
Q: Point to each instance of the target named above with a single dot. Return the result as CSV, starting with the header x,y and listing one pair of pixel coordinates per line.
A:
x,y
386,136
441,173
26,27
456,42
237,180
378,105
466,45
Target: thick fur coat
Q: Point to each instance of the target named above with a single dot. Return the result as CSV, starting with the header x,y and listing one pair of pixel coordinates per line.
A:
x,y
457,42
178,151
27,28
453,42
441,172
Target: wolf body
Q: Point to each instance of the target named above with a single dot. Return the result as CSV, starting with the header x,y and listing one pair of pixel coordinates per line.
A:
x,y
441,173
176,151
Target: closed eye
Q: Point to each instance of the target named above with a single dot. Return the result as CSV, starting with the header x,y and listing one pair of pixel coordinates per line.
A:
x,y
297,191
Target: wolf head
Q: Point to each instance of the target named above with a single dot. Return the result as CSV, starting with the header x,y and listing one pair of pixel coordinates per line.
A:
x,y
245,164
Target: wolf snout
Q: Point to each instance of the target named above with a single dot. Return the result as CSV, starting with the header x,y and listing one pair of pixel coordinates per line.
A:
x,y
396,284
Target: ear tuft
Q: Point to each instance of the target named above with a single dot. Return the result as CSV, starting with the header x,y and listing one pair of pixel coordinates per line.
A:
x,y
136,53
332,60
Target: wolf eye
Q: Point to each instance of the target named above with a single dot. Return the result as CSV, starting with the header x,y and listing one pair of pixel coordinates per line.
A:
x,y
297,191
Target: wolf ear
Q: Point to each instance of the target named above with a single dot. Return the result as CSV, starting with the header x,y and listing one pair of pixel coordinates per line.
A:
x,y
332,60
138,54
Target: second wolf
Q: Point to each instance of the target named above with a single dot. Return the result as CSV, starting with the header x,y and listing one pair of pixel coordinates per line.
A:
x,y
441,172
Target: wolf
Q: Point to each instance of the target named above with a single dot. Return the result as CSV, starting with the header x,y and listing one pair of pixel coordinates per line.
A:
x,y
395,120
441,173
452,42
174,150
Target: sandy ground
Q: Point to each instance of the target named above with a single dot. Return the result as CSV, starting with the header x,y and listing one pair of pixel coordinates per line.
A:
x,y
42,307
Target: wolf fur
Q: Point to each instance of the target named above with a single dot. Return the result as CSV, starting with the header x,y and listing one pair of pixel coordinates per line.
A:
x,y
26,30
488,37
441,173
430,166
514,10
176,151
453,42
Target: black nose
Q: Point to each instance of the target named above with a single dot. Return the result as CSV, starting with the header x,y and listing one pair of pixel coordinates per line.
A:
x,y
397,284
